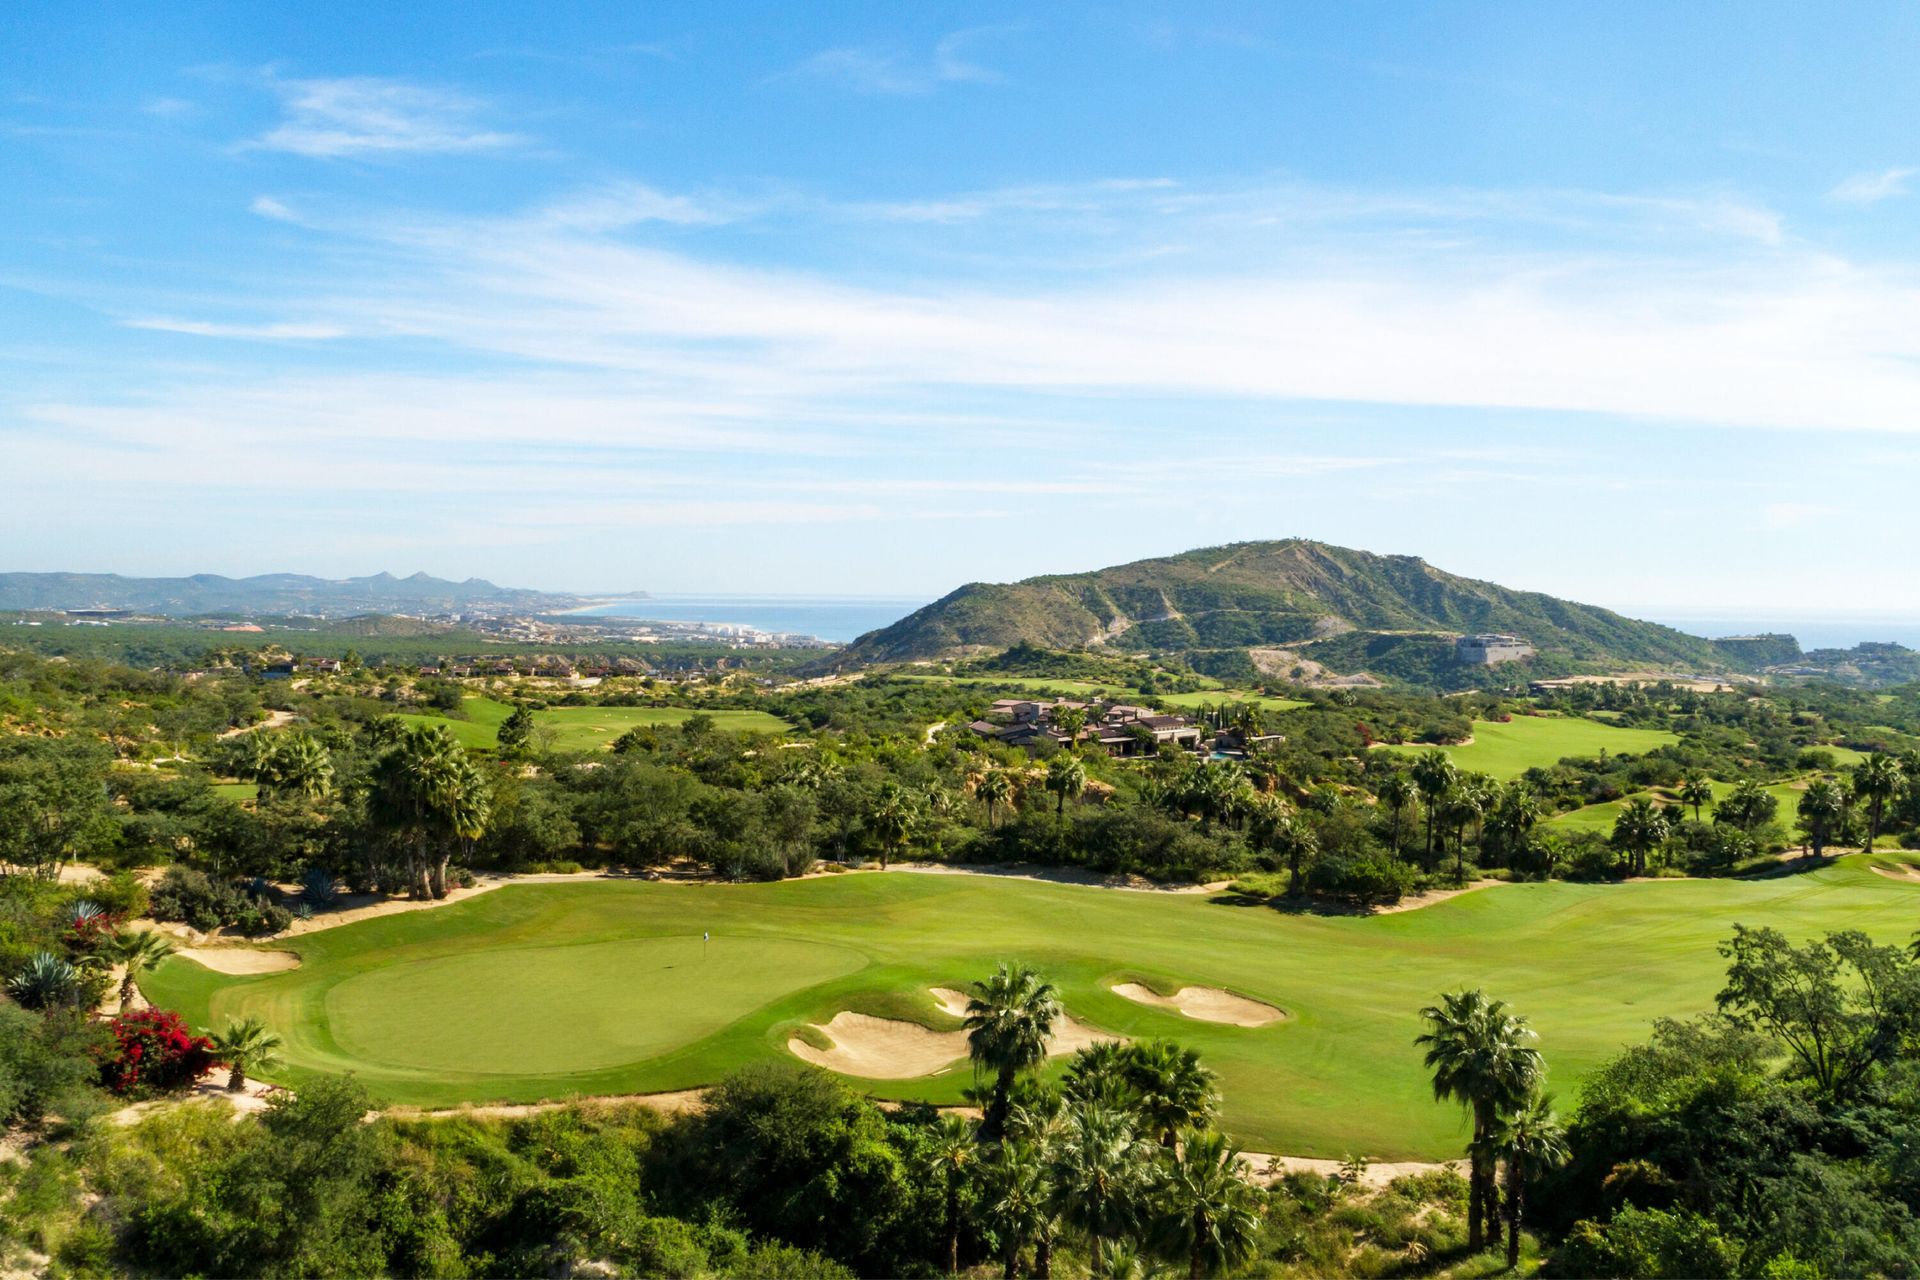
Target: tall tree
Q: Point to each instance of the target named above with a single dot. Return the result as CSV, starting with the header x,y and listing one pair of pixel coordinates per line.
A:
x,y
1172,1090
893,819
1480,1056
1876,780
1696,791
1639,830
139,950
1066,779
949,1161
1018,1199
1397,793
1822,809
1009,1020
1211,1213
1530,1140
995,789
1433,773
1101,1172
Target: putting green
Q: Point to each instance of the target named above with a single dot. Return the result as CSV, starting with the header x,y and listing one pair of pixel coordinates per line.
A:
x,y
589,728
547,990
537,1010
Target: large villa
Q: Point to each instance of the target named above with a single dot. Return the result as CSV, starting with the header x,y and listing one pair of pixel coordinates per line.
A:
x,y
1117,728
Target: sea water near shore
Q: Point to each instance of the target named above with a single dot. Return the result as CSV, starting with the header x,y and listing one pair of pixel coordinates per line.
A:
x,y
838,619
1812,630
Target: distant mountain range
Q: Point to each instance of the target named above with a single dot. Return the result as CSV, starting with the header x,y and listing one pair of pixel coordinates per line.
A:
x,y
272,593
1295,604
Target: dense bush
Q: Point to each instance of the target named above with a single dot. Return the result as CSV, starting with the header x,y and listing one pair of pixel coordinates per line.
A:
x,y
153,1051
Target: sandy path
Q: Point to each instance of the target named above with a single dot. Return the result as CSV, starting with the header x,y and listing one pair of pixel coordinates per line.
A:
x,y
241,961
274,720
1376,1176
212,1091
675,1103
1208,1004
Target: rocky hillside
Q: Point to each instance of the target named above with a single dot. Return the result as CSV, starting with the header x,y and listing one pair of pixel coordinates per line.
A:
x,y
1293,595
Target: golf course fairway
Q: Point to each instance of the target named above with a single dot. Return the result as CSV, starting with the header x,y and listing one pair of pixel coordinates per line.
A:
x,y
542,991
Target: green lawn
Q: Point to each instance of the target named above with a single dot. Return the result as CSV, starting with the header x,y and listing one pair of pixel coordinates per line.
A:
x,y
589,728
1219,697
236,790
1508,750
1600,817
1186,701
539,991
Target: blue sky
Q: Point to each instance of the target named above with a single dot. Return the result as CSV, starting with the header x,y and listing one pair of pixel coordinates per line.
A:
x,y
1616,301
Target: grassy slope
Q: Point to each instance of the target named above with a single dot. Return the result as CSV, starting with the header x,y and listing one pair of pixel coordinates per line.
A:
x,y
545,990
1600,817
589,728
1508,750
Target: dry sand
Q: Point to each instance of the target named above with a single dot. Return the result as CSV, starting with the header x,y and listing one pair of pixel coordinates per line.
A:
x,y
1375,1176
212,1091
274,720
241,961
892,1049
1208,1004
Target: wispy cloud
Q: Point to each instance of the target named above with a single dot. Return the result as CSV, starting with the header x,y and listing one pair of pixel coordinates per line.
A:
x,y
364,115
278,331
872,69
1796,515
1871,188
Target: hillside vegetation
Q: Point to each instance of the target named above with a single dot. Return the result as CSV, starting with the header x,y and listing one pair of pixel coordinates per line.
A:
x,y
1321,602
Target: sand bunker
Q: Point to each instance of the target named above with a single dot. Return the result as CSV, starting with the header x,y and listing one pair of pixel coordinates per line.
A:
x,y
1208,1004
950,1001
240,961
889,1049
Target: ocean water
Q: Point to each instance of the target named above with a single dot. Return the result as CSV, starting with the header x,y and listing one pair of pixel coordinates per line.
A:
x,y
1813,630
839,619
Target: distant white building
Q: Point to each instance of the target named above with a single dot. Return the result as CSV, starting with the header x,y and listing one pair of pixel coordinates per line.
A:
x,y
1490,649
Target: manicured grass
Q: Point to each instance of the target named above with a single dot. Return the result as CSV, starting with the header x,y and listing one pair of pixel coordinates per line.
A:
x,y
589,728
1188,701
236,790
1601,817
540,991
1508,750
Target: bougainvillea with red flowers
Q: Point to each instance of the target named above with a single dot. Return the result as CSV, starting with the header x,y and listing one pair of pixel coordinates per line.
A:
x,y
153,1052
88,933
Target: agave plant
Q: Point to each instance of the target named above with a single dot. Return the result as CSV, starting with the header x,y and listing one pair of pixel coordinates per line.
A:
x,y
84,913
47,981
319,888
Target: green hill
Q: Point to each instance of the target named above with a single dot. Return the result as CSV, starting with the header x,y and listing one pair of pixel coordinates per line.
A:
x,y
1326,604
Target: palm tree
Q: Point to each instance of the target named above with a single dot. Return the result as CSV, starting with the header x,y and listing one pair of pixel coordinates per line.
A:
x,y
1397,791
1433,775
996,788
1009,1020
1822,807
1218,788
139,950
1066,776
948,1159
1173,1091
893,819
1211,1212
1513,817
1747,806
1017,1199
299,765
465,805
1875,781
245,1046
1530,1140
1102,1173
1479,1056
1695,790
411,781
1639,830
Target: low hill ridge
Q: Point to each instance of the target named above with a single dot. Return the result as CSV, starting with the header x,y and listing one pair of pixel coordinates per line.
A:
x,y
270,593
1254,595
